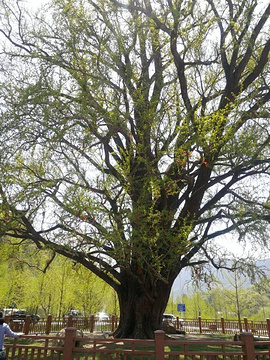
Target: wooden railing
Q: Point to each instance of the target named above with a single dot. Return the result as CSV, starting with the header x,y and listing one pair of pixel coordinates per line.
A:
x,y
259,328
160,348
54,325
93,324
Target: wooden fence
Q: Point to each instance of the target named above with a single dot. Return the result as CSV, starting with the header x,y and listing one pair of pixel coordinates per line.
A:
x,y
161,348
93,324
258,328
54,325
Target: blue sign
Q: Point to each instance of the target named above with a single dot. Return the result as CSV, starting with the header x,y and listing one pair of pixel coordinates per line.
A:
x,y
181,307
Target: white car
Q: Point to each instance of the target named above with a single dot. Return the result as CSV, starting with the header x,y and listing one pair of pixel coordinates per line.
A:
x,y
103,316
172,319
74,312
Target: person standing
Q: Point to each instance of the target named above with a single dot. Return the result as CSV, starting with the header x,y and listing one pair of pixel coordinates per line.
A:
x,y
5,330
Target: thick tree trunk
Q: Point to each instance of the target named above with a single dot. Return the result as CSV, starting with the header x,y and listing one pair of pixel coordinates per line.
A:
x,y
141,309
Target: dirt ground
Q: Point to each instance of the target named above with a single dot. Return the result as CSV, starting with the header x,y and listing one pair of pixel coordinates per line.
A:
x,y
214,337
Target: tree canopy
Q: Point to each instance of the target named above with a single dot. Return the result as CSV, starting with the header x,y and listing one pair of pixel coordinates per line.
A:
x,y
133,134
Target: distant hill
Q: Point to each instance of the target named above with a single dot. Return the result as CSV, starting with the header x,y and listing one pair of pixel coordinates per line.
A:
x,y
183,283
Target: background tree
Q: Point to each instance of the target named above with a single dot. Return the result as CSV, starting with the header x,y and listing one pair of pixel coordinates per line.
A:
x,y
134,133
43,292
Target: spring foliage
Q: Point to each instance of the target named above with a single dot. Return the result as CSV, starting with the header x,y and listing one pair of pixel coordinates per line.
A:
x,y
134,133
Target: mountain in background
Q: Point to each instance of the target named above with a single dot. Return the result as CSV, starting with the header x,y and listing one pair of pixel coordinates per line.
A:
x,y
184,283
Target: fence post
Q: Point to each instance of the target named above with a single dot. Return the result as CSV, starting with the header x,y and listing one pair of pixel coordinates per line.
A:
x,y
200,324
268,326
92,323
48,325
70,334
70,321
159,344
248,346
26,327
85,322
113,323
246,323
222,325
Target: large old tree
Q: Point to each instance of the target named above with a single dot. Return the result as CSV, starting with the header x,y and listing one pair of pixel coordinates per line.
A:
x,y
133,134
